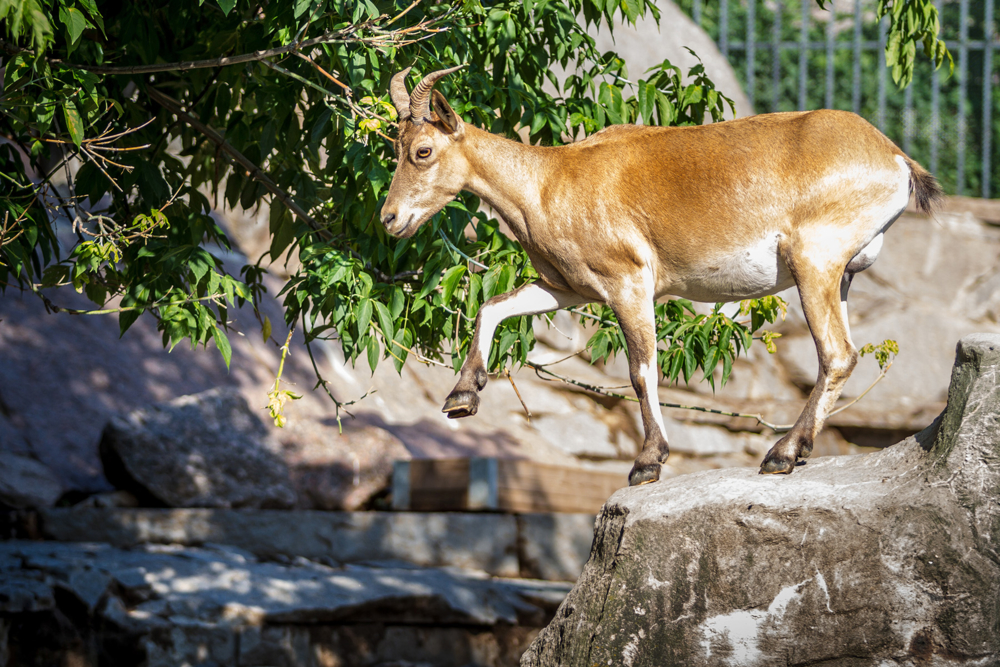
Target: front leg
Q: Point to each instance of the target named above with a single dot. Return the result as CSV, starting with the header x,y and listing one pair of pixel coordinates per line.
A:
x,y
528,299
636,316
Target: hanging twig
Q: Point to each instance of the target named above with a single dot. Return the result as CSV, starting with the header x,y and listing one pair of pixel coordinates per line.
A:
x,y
506,372
322,382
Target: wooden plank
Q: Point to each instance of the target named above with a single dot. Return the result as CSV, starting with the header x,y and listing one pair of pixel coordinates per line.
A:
x,y
546,500
524,486
438,485
439,474
500,484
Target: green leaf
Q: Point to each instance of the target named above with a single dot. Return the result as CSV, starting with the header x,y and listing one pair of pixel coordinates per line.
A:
x,y
74,124
373,354
647,102
222,343
364,316
126,319
631,9
450,282
226,6
75,22
266,328
397,302
384,321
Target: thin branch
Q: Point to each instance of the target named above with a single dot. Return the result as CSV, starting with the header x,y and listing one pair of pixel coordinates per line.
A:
x,y
507,374
403,13
455,248
777,428
107,311
591,316
324,72
326,38
322,382
862,394
346,36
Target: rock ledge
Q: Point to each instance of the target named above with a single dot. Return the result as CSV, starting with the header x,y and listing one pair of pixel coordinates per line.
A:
x,y
887,558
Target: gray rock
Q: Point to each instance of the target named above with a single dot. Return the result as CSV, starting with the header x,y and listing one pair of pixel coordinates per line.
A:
x,y
26,483
217,607
342,472
205,450
486,542
888,558
554,546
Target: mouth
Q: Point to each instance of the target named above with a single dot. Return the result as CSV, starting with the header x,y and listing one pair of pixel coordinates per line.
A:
x,y
402,231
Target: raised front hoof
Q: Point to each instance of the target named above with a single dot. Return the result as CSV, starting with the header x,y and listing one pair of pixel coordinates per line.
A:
x,y
644,473
775,464
461,404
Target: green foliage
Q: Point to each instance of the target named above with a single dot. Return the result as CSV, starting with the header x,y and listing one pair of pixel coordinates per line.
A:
x,y
306,130
911,21
884,352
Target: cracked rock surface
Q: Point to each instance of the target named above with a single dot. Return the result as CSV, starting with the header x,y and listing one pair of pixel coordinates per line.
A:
x,y
888,558
163,606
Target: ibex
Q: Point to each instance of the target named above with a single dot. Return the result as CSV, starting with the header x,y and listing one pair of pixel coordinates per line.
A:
x,y
722,212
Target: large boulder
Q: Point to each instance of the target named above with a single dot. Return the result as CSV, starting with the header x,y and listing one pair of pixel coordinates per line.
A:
x,y
27,483
204,450
888,558
342,472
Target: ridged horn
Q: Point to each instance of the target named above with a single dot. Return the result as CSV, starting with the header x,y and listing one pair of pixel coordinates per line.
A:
x,y
420,100
397,91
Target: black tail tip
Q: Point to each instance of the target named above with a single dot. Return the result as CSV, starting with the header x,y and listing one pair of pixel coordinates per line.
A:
x,y
925,188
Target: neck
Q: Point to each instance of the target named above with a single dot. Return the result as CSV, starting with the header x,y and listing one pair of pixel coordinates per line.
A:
x,y
506,175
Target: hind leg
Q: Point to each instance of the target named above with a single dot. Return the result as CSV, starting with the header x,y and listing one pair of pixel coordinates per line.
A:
x,y
823,291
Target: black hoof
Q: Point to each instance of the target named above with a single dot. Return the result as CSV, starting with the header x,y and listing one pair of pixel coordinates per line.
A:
x,y
775,464
644,473
461,404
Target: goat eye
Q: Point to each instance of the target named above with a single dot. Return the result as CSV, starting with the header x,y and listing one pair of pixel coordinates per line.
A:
x,y
423,153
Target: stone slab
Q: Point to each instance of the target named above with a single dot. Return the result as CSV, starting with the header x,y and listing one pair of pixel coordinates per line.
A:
x,y
485,542
218,607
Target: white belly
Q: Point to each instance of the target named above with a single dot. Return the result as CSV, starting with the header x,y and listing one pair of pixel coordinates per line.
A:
x,y
752,272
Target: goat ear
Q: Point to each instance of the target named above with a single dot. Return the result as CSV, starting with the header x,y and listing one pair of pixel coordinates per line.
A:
x,y
450,120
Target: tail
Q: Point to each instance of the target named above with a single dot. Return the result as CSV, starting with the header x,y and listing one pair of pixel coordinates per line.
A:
x,y
924,187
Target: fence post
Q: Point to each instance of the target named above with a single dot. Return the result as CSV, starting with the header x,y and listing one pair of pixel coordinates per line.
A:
x,y
988,45
829,55
963,84
804,52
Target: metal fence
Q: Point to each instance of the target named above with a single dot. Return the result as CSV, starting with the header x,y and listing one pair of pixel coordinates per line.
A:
x,y
792,55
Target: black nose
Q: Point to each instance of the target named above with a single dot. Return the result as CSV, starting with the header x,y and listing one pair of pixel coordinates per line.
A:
x,y
388,218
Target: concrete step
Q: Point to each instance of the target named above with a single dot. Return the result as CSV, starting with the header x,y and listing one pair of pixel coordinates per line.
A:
x,y
548,546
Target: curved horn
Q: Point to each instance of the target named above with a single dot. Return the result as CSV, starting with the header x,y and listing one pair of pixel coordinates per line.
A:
x,y
420,107
397,91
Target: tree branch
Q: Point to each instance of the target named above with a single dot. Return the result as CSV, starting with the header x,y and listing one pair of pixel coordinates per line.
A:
x,y
174,107
326,38
345,36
